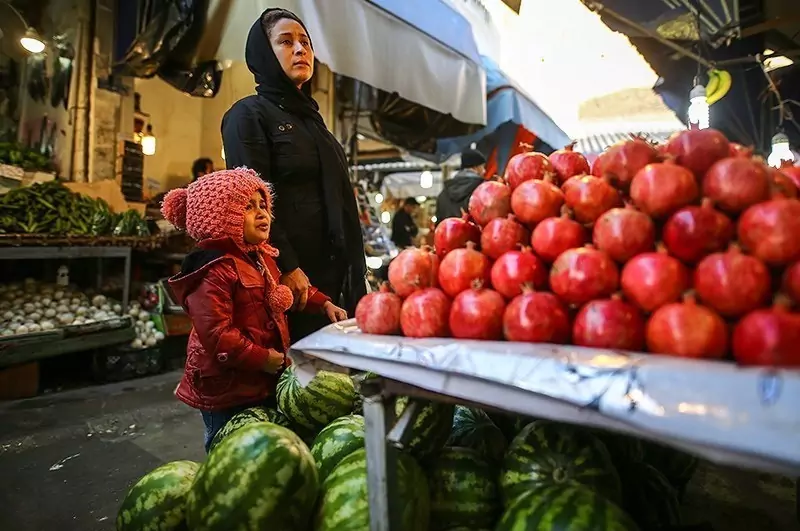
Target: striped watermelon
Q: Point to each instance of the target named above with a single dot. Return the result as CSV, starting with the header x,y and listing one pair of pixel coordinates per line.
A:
x,y
336,441
248,416
472,428
678,467
328,396
622,448
463,489
650,498
158,500
564,507
261,477
344,504
431,428
546,453
509,423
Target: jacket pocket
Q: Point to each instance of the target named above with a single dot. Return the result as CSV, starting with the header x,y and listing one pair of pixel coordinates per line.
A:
x,y
211,381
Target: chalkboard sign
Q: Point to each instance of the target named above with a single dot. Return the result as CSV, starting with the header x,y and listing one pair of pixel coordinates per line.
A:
x,y
132,171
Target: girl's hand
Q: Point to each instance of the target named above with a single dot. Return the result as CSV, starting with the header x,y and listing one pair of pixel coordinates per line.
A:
x,y
334,313
275,362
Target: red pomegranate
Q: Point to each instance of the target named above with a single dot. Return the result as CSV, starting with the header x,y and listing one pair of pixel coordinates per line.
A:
x,y
624,233
515,269
425,313
738,150
379,312
768,338
622,161
413,269
581,275
698,149
477,313
792,172
732,283
536,317
454,233
553,236
533,201
502,235
460,268
769,231
651,280
782,185
568,163
735,183
589,197
662,188
688,330
609,323
791,282
527,166
490,200
695,231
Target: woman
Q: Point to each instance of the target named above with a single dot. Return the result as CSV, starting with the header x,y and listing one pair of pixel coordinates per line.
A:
x,y
279,133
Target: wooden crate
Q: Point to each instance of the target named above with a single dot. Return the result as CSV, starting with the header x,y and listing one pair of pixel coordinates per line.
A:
x,y
21,381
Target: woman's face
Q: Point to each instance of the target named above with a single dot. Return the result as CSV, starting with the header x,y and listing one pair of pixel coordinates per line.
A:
x,y
257,220
292,47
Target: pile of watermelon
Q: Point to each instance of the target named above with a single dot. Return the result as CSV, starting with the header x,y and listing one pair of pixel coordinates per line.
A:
x,y
304,468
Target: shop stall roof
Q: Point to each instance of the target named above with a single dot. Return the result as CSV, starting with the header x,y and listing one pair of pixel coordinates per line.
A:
x,y
423,50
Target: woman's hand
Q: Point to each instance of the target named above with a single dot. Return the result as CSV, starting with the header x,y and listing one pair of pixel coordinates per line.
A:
x,y
297,281
334,313
275,362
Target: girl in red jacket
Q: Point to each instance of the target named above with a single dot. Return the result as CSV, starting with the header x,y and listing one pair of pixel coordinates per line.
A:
x,y
229,287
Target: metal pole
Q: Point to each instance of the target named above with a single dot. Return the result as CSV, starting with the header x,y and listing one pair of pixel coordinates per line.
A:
x,y
381,460
126,282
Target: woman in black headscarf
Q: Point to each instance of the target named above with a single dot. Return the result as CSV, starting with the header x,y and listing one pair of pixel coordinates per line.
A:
x,y
279,133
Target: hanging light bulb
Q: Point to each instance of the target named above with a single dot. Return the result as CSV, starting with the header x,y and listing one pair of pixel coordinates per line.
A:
x,y
149,142
31,41
781,152
386,217
426,180
378,198
698,108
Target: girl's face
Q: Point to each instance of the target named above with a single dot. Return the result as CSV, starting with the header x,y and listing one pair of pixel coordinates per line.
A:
x,y
257,220
292,47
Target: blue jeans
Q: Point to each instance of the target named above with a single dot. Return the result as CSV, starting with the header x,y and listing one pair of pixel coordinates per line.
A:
x,y
216,420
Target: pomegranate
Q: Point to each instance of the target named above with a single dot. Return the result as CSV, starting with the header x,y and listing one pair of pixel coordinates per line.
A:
x,y
769,231
502,235
589,197
662,188
516,268
533,201
536,317
553,236
698,149
622,161
791,282
735,183
651,280
527,166
568,163
581,275
413,269
624,233
477,313
792,172
454,233
425,313
768,338
379,312
732,283
687,329
695,231
738,150
782,185
609,323
461,267
490,200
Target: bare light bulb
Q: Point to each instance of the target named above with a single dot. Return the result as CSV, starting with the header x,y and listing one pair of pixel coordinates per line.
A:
x,y
31,41
149,142
426,180
698,108
781,151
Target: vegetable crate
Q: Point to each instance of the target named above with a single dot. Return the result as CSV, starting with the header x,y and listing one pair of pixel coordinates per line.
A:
x,y
125,363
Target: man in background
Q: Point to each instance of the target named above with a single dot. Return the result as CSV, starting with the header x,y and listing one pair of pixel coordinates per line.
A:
x,y
201,167
404,228
457,191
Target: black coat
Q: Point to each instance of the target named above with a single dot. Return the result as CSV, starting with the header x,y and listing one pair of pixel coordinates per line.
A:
x,y
404,229
455,196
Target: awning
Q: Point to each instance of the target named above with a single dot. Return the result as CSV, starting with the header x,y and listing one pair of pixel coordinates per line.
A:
x,y
597,143
506,102
423,50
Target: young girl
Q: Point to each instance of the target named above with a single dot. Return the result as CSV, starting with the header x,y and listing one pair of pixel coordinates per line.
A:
x,y
228,287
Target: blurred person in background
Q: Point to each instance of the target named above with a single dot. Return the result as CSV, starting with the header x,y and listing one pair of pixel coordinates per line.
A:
x,y
457,191
404,228
201,167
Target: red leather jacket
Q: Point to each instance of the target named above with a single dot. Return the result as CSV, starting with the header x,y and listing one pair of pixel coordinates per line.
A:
x,y
224,293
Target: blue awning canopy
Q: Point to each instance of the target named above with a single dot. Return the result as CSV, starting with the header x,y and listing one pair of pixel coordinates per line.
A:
x,y
506,102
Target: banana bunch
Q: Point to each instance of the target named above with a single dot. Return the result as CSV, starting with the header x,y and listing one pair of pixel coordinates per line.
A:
x,y
719,83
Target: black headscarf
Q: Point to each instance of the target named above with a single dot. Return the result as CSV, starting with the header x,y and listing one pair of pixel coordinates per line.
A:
x,y
344,228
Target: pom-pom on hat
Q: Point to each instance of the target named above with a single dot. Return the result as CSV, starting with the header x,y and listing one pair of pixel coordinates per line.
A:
x,y
214,205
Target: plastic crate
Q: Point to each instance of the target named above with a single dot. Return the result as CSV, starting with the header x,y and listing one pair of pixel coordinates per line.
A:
x,y
125,363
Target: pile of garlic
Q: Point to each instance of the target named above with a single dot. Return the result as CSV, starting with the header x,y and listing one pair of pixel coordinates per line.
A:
x,y
146,334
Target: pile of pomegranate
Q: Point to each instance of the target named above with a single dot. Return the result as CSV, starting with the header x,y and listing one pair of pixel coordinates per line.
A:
x,y
690,249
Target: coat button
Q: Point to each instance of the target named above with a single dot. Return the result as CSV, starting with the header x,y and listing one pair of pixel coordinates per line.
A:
x,y
288,127
333,258
270,325
281,128
222,357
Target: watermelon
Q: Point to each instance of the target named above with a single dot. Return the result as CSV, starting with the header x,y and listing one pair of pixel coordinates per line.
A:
x,y
564,507
248,416
463,489
678,467
344,503
431,428
623,449
472,428
547,453
336,441
509,423
328,396
260,477
158,500
650,498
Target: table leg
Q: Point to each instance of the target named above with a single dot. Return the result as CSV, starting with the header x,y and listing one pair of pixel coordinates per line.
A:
x,y
381,463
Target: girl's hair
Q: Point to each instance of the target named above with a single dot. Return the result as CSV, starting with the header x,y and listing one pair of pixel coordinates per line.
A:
x,y
271,17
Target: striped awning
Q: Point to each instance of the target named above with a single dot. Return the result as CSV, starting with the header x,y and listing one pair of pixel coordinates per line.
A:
x,y
596,144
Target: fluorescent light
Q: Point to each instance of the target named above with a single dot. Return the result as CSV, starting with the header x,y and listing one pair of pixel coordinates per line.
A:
x,y
781,152
698,107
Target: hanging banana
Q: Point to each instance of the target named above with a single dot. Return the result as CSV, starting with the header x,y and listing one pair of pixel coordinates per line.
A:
x,y
719,83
